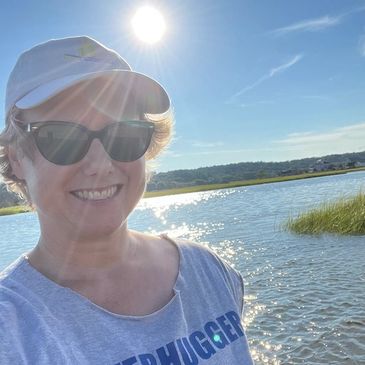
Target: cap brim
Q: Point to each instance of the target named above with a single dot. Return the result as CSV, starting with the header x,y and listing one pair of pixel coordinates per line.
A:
x,y
148,93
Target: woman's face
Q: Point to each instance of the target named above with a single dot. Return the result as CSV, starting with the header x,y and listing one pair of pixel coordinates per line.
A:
x,y
91,198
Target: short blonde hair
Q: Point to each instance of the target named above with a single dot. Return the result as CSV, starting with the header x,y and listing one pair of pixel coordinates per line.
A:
x,y
13,135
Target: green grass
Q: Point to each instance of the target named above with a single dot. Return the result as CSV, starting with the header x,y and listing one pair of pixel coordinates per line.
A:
x,y
14,210
345,216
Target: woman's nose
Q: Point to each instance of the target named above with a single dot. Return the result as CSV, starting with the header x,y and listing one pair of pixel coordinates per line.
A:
x,y
97,160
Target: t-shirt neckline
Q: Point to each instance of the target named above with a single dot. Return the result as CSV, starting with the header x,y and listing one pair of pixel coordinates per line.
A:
x,y
25,264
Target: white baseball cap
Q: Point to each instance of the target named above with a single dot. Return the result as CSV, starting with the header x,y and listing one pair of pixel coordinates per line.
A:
x,y
52,67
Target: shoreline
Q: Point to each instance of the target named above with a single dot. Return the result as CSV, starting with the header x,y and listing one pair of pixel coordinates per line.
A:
x,y
236,184
199,188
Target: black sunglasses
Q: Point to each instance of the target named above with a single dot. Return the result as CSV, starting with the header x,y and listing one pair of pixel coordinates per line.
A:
x,y
65,143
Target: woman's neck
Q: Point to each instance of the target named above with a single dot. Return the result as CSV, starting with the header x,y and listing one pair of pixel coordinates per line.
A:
x,y
63,260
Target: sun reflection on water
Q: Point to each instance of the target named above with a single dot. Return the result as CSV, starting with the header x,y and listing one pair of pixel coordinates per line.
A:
x,y
210,229
167,202
262,351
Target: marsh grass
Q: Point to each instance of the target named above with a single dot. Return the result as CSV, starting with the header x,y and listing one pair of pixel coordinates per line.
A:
x,y
345,216
14,210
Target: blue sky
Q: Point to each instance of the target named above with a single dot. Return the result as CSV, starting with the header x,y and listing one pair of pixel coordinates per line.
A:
x,y
249,80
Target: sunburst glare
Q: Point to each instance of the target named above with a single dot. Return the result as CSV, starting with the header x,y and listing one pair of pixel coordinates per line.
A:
x,y
148,24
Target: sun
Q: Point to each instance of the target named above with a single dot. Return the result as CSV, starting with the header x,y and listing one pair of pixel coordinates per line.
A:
x,y
148,24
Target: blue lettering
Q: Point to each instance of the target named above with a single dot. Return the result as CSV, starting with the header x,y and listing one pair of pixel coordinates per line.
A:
x,y
186,351
170,358
235,319
217,336
130,361
227,328
147,359
201,345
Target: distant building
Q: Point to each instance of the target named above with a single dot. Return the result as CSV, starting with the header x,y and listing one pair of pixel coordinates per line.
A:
x,y
287,172
320,165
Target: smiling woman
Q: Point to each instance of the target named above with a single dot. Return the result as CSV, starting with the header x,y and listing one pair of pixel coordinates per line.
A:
x,y
148,24
80,126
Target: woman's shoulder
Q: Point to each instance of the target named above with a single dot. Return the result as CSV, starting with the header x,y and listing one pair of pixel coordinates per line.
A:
x,y
201,261
188,246
203,257
12,282
11,273
12,278
198,251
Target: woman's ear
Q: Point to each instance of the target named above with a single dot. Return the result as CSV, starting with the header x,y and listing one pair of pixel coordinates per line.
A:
x,y
16,157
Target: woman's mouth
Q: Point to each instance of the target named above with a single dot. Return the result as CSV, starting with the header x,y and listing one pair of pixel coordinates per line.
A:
x,y
97,194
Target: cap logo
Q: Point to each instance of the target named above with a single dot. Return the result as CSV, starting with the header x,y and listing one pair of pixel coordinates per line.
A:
x,y
87,49
85,52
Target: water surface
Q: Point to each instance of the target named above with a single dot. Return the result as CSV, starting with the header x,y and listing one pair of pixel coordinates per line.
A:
x,y
305,295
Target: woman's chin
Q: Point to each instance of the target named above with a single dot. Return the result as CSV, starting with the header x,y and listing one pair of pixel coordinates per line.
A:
x,y
100,230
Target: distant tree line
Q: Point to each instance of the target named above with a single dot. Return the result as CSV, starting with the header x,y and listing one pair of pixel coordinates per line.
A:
x,y
227,173
247,171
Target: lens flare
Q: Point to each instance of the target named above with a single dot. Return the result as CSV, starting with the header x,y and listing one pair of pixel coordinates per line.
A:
x,y
148,24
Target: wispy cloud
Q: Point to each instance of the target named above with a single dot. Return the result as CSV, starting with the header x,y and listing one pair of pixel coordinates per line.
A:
x,y
203,144
299,134
316,24
309,25
350,136
284,66
274,71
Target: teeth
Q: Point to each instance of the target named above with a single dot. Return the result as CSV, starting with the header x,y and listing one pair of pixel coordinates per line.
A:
x,y
96,194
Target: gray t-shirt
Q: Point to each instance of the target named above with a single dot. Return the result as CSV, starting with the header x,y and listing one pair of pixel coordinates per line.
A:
x,y
44,323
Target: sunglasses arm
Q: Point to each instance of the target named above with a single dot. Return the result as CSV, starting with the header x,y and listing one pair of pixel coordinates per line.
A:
x,y
21,124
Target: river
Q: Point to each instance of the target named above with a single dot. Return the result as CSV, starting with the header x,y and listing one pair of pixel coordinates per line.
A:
x,y
304,296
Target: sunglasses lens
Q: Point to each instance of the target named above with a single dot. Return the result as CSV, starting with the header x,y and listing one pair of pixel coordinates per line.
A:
x,y
65,143
127,141
62,144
